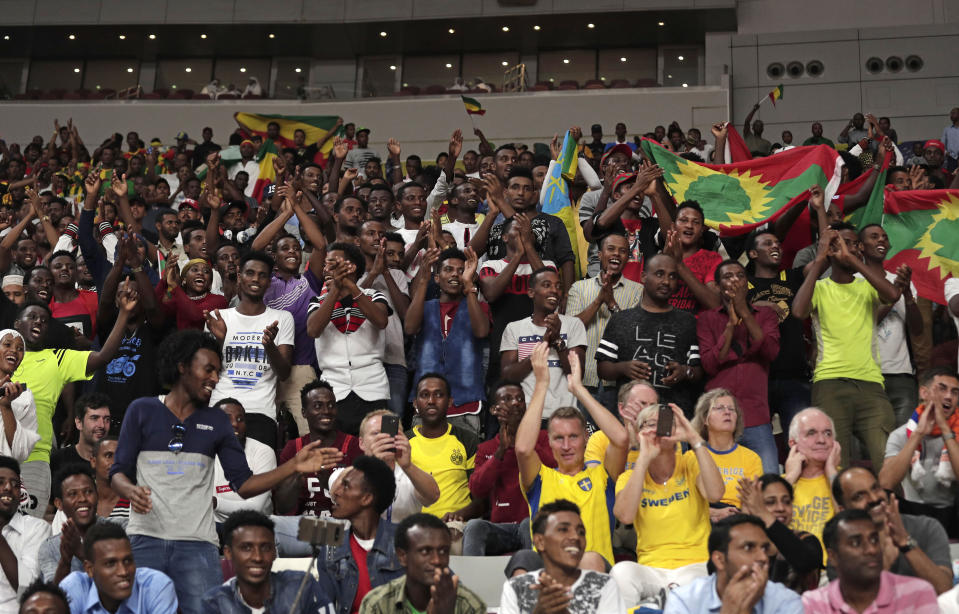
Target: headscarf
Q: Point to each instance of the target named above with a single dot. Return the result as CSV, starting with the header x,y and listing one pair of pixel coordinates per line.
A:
x,y
11,331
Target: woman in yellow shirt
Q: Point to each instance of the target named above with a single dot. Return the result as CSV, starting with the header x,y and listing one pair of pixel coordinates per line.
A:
x,y
719,420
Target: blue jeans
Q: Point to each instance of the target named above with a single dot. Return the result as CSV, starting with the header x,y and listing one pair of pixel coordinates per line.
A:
x,y
194,567
760,440
485,538
399,388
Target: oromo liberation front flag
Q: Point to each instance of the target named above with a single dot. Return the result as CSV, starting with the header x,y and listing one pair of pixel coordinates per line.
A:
x,y
554,195
739,197
922,226
315,127
473,107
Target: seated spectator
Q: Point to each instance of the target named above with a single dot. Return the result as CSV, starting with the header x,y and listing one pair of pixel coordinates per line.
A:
x,y
367,558
595,299
799,554
22,536
172,522
817,138
307,494
634,396
847,381
451,331
444,450
43,598
248,543
919,455
588,486
666,488
560,586
423,547
496,479
92,420
811,466
187,296
260,457
719,420
109,503
852,541
737,341
350,338
18,411
112,580
911,545
654,341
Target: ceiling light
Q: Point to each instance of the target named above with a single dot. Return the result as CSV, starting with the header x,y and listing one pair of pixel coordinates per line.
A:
x,y
203,36
122,37
188,69
565,60
297,69
661,23
129,69
98,87
622,59
152,37
669,76
685,85
448,65
590,25
392,67
6,37
680,58
551,79
76,70
406,85
536,28
504,63
505,28
242,68
173,86
383,34
451,31
271,35
602,78
72,37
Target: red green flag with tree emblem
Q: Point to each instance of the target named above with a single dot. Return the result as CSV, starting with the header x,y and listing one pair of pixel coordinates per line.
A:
x,y
741,196
923,226
315,127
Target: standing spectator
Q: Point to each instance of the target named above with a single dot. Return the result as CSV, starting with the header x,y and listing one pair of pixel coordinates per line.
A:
x,y
20,538
450,332
75,308
560,585
348,324
919,455
260,457
697,289
254,361
615,165
817,138
187,296
621,134
359,154
596,299
423,547
737,341
565,336
496,478
854,131
172,517
654,341
753,135
847,381
950,136
596,146
852,541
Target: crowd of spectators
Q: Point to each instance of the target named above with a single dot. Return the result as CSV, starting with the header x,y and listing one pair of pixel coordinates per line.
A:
x,y
196,354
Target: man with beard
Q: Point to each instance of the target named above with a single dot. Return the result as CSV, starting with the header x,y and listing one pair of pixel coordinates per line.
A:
x,y
226,260
172,521
249,544
348,214
855,547
911,545
462,220
260,458
423,548
92,417
20,537
254,362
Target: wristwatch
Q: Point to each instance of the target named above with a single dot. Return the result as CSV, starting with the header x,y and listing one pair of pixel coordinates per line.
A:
x,y
560,346
909,545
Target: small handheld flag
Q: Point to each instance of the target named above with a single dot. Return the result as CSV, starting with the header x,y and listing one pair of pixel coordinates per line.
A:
x,y
473,107
776,94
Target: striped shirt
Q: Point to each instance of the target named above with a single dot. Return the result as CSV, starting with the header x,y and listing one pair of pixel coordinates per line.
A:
x,y
896,594
627,294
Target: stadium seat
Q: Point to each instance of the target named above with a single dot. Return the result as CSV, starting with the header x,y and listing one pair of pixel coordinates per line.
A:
x,y
228,97
162,91
568,85
405,92
152,96
595,84
545,84
434,90
539,87
75,95
618,83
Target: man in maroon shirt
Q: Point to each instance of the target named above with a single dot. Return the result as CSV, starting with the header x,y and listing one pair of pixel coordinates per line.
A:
x,y
306,494
737,343
496,477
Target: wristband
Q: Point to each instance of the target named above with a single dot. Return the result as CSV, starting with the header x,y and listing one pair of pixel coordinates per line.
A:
x,y
948,435
701,443
136,269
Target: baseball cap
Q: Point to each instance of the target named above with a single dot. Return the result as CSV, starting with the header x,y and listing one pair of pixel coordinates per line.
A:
x,y
182,136
623,178
596,128
247,142
364,129
156,142
235,204
936,144
189,202
621,148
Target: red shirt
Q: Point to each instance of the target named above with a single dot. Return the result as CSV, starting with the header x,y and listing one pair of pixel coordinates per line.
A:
x,y
499,479
447,313
313,500
363,583
80,313
703,265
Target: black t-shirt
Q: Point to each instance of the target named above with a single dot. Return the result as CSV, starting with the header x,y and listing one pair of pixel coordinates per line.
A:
x,y
656,339
133,371
791,362
63,457
549,233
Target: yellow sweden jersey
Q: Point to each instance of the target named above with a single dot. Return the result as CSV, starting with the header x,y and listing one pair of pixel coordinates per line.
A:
x,y
596,450
592,490
735,464
449,459
812,507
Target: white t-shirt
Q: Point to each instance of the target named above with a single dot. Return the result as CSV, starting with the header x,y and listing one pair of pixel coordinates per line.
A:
x,y
951,290
261,458
592,593
523,335
459,229
247,374
891,337
395,352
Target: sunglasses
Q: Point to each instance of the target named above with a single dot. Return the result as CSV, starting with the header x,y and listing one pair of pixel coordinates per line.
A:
x,y
176,444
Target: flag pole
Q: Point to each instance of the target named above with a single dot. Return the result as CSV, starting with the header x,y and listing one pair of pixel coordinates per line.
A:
x,y
763,99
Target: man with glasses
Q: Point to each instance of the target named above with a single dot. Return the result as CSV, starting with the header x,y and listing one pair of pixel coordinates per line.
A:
x,y
164,466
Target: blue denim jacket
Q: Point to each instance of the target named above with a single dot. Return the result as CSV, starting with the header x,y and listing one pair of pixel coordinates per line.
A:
x,y
225,599
342,575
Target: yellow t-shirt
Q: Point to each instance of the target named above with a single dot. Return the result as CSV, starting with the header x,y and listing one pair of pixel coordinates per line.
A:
x,y
596,450
592,490
449,459
735,464
672,521
844,321
45,372
812,507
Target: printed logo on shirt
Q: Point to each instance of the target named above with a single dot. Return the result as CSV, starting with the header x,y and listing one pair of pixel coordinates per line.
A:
x,y
665,501
222,489
585,484
456,457
204,427
526,344
657,352
245,358
812,516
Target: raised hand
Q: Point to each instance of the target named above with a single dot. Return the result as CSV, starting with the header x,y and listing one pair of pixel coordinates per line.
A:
x,y
554,147
794,464
832,463
393,146
443,592
270,333
215,323
574,379
816,197
674,247
340,148
720,130
128,298
313,459
92,182
469,271
575,133
647,177
351,174
456,144
118,184
540,361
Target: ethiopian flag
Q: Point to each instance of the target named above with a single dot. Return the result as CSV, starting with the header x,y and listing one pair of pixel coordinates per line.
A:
x,y
315,127
267,174
739,197
554,196
473,107
922,226
776,94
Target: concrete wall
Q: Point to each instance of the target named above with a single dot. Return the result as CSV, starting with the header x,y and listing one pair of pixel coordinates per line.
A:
x,y
765,16
421,124
918,102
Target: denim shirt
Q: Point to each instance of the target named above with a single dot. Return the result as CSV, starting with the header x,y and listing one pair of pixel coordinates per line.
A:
x,y
342,575
226,599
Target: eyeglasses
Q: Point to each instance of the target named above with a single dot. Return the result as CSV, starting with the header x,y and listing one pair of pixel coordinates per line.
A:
x,y
722,408
649,424
176,444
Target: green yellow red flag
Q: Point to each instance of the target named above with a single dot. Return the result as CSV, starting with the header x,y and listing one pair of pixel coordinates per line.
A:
x,y
315,127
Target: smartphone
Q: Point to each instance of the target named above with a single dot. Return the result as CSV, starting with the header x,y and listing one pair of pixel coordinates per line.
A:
x,y
664,422
389,425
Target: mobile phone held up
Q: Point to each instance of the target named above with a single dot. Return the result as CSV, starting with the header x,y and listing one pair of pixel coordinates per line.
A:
x,y
390,425
664,421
